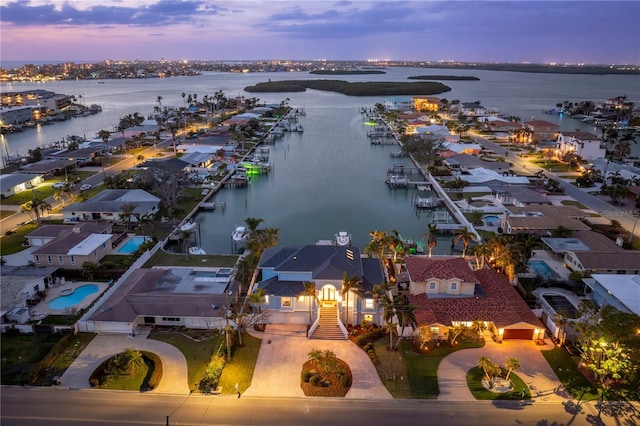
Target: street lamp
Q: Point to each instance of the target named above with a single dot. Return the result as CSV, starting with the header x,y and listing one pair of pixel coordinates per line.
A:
x,y
633,230
227,313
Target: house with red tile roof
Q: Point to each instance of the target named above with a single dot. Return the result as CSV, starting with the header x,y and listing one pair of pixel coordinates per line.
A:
x,y
448,291
543,130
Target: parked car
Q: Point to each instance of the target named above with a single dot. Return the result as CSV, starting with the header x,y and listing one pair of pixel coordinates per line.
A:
x,y
60,184
85,187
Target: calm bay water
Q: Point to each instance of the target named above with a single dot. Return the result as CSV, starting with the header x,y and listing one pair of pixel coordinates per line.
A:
x,y
329,178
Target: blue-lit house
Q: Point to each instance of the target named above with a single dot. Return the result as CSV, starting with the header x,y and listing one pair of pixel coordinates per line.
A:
x,y
283,272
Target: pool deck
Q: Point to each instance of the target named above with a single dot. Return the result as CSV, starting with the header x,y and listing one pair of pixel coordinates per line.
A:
x,y
124,242
572,297
42,309
555,265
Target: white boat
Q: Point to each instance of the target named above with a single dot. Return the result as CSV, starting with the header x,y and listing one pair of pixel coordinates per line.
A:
x,y
299,128
196,250
343,239
188,225
240,234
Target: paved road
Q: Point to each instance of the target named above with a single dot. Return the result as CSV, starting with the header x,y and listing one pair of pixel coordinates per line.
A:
x,y
24,406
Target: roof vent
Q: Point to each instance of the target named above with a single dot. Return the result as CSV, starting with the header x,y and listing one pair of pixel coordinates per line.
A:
x,y
349,254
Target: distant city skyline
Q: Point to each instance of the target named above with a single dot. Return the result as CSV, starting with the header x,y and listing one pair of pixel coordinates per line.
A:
x,y
590,32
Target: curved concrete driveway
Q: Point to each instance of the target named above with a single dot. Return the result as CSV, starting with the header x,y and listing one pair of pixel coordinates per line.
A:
x,y
285,349
534,370
103,346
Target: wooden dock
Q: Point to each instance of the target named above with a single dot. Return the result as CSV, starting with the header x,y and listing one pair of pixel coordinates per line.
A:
x,y
213,206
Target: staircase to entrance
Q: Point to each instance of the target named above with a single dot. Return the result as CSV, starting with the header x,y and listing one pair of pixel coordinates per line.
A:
x,y
328,328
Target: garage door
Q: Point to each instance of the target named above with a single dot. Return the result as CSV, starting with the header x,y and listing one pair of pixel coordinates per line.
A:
x,y
518,333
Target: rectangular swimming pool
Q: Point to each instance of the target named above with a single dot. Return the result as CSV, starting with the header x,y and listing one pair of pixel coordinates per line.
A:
x,y
132,245
543,270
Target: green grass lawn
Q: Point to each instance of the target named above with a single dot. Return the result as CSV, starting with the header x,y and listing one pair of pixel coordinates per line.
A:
x,y
10,244
138,381
65,358
240,369
566,368
392,369
573,203
474,380
422,370
162,258
21,356
197,353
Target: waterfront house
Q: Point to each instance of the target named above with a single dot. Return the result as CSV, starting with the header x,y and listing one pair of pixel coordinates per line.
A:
x,y
77,157
107,205
621,292
14,183
471,109
400,103
483,176
583,144
426,103
285,270
502,126
542,130
448,291
176,297
542,219
72,248
466,162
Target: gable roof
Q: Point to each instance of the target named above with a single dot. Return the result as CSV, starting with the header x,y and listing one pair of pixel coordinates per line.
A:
x,y
324,262
110,200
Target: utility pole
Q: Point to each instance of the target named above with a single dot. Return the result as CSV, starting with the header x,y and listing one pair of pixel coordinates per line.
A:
x,y
227,312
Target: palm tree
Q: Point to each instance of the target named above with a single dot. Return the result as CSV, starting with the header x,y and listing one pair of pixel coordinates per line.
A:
x,y
257,298
253,223
310,291
481,253
394,242
405,312
488,366
511,364
432,242
127,212
478,326
390,327
561,321
185,237
350,284
465,235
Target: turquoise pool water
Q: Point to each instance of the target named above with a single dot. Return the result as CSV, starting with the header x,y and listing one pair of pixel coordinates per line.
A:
x,y
541,268
491,219
63,302
132,245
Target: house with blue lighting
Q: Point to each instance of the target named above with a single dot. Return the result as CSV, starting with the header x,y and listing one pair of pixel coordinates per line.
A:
x,y
283,272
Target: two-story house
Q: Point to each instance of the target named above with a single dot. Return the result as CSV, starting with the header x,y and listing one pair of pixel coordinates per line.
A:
x,y
447,292
583,144
543,130
285,270
426,103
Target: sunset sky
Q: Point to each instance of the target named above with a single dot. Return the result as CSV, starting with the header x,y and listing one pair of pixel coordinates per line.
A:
x,y
600,32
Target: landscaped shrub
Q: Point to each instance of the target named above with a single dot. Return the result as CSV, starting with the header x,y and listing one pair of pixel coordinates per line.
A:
x,y
212,374
306,375
344,381
156,376
314,380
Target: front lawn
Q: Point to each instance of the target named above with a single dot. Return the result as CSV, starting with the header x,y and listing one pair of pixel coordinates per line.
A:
x,y
392,369
13,243
67,351
197,352
573,203
240,369
474,380
422,370
566,368
21,356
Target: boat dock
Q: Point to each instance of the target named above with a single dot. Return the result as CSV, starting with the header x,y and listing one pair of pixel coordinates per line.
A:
x,y
213,206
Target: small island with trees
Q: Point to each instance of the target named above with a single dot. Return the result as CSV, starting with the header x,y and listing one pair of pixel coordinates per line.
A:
x,y
444,77
373,88
346,72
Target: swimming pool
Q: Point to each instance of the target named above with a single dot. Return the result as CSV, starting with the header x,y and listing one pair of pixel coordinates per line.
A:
x,y
561,305
80,293
543,270
491,219
132,245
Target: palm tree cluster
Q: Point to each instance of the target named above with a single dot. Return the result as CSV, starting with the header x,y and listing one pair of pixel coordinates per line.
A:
x,y
258,241
506,253
398,314
382,243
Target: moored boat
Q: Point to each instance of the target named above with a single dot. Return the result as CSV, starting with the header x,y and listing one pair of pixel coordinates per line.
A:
x,y
188,225
343,239
196,250
240,234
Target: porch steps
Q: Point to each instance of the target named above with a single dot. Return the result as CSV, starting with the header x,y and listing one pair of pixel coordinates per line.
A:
x,y
328,325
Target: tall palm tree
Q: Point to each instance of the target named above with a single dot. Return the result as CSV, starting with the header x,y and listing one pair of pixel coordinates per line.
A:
x,y
486,365
185,237
310,292
432,242
253,223
465,235
511,364
350,284
127,212
405,312
256,299
394,242
481,253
